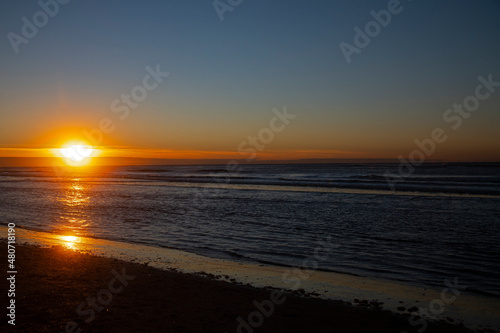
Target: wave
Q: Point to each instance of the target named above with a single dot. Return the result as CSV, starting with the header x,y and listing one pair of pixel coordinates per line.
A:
x,y
433,178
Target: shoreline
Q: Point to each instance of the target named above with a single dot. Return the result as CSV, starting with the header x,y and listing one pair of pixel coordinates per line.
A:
x,y
474,311
62,290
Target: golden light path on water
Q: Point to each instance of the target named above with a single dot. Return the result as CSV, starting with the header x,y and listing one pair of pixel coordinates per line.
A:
x,y
73,200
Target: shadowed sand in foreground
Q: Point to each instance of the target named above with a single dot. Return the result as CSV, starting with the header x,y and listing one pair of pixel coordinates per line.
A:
x,y
54,283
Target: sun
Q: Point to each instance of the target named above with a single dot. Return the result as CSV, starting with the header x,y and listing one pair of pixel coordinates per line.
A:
x,y
77,154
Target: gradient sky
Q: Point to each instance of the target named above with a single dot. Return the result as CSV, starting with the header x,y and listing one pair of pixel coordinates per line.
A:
x,y
227,76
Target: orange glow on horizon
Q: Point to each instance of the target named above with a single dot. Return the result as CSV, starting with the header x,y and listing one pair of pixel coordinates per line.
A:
x,y
80,154
73,148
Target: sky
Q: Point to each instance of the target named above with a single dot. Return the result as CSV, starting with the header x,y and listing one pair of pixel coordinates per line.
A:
x,y
229,79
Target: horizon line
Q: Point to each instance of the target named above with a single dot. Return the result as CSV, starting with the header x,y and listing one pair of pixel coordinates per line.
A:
x,y
132,161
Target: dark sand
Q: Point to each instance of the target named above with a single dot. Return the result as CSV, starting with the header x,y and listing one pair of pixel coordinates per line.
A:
x,y
52,282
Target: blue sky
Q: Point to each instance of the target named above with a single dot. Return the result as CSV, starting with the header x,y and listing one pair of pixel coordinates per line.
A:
x,y
226,77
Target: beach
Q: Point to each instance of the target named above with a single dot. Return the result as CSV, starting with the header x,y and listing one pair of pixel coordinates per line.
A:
x,y
241,166
52,282
68,284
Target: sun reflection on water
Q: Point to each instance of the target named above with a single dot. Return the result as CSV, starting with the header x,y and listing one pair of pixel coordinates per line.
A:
x,y
75,199
70,242
75,194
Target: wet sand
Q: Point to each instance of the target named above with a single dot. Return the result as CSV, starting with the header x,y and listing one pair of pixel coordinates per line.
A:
x,y
53,283
315,291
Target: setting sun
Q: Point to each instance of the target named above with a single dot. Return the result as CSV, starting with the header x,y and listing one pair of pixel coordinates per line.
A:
x,y
77,154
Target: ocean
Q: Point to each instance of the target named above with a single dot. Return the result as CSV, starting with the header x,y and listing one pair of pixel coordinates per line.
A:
x,y
439,221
